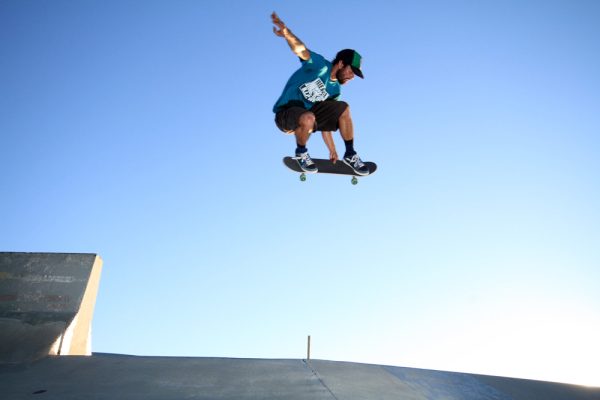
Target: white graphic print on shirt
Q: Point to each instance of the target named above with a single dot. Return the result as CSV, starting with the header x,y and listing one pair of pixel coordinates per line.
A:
x,y
314,91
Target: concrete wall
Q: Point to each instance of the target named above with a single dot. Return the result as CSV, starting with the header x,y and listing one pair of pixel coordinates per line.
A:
x,y
46,304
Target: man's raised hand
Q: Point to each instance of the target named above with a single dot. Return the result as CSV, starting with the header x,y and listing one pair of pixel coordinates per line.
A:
x,y
279,24
295,44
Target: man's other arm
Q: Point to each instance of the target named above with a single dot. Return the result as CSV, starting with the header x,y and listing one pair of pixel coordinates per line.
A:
x,y
295,44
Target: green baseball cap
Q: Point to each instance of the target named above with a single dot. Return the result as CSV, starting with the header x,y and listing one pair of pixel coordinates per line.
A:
x,y
352,58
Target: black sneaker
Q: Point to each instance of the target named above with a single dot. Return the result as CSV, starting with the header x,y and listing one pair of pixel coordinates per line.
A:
x,y
306,163
356,164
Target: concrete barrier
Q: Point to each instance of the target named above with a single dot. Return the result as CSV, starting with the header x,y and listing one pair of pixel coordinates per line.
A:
x,y
46,304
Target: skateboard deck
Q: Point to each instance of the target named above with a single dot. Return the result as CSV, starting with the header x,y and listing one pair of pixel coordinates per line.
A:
x,y
327,167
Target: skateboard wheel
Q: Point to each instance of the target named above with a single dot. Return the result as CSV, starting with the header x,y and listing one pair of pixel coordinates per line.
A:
x,y
354,180
302,177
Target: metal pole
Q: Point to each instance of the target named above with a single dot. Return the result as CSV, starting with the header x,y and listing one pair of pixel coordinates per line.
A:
x,y
308,349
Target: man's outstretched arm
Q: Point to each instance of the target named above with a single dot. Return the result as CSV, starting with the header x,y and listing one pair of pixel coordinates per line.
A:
x,y
295,44
328,139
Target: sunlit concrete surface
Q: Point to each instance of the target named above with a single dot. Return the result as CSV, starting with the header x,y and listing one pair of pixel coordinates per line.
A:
x,y
105,376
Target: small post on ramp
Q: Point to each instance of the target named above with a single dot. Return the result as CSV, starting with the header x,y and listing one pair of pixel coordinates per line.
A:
x,y
308,349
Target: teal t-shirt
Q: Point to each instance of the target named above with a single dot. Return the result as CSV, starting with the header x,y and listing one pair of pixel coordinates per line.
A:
x,y
310,84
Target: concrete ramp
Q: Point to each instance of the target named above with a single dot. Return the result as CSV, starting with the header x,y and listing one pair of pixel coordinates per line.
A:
x,y
46,304
363,381
105,376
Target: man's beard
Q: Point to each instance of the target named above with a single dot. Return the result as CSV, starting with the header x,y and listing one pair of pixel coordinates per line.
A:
x,y
339,78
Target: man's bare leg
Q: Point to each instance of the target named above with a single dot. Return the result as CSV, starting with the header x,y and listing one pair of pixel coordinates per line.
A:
x,y
346,125
347,131
306,124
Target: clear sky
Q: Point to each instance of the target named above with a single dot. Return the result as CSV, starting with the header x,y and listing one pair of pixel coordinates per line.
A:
x,y
143,131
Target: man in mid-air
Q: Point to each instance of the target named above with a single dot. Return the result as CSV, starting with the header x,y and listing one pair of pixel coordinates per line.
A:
x,y
310,101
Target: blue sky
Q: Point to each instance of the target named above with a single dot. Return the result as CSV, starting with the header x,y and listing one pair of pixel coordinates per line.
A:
x,y
143,131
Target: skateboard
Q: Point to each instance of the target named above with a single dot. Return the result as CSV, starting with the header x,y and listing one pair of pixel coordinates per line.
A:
x,y
328,167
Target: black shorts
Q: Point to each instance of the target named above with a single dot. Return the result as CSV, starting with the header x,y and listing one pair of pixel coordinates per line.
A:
x,y
327,114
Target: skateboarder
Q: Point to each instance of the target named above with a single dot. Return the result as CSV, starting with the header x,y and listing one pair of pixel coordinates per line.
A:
x,y
309,101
